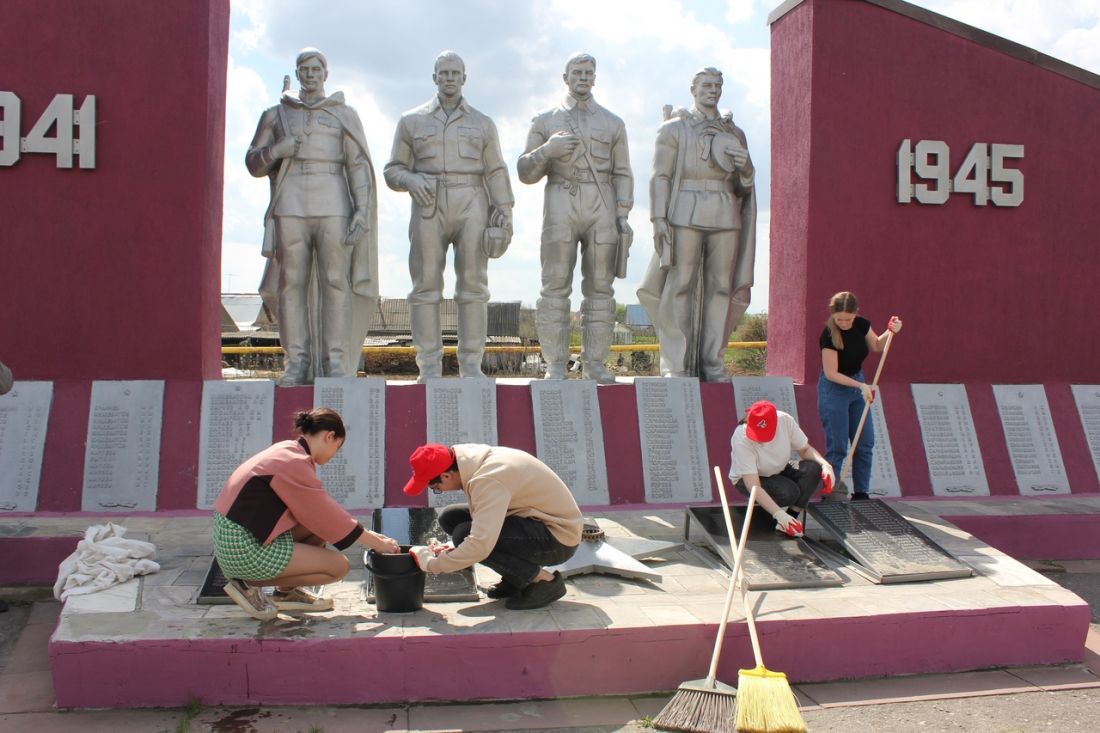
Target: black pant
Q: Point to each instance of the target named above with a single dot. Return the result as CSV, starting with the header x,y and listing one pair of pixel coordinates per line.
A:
x,y
791,487
524,546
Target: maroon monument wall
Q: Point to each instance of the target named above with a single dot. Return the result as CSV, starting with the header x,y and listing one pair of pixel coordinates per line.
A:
x,y
113,272
989,294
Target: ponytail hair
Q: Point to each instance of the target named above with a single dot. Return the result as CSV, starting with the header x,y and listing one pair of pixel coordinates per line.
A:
x,y
842,302
319,420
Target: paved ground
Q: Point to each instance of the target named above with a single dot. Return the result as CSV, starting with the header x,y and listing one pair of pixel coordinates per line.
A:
x,y
995,701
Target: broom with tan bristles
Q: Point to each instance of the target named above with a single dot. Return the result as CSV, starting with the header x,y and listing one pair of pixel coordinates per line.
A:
x,y
765,701
707,705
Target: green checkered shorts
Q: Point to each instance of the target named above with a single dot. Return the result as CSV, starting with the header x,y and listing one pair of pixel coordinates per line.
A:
x,y
241,556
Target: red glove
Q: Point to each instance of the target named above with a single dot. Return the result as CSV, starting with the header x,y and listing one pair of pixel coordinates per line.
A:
x,y
787,523
826,483
421,555
894,324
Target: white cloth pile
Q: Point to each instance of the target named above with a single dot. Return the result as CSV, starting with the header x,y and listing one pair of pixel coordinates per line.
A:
x,y
102,559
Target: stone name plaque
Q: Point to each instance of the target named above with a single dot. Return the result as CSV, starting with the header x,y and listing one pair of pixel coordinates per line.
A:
x,y
884,543
460,411
950,441
235,425
1032,444
777,390
1087,397
770,561
356,474
24,415
674,450
884,477
122,452
569,436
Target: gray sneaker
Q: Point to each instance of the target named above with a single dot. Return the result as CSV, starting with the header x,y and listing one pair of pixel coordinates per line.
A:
x,y
251,599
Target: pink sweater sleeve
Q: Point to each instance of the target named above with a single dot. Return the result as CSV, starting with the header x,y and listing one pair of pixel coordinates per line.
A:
x,y
310,505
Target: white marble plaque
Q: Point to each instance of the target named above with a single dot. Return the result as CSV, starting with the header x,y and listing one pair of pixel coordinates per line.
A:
x,y
355,476
950,441
236,425
1032,444
1087,397
884,476
569,436
777,390
674,449
24,415
460,411
122,452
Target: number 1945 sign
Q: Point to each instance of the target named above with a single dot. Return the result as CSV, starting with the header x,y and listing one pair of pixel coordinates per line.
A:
x,y
73,131
984,173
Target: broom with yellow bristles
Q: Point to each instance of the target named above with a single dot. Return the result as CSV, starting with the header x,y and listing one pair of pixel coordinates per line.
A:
x,y
765,701
706,705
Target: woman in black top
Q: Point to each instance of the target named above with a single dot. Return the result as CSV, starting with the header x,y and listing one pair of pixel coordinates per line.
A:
x,y
842,389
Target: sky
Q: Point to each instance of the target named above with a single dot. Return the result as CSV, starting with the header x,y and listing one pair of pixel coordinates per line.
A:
x,y
380,55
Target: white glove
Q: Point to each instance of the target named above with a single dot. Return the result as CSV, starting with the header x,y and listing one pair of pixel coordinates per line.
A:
x,y
868,392
421,555
787,523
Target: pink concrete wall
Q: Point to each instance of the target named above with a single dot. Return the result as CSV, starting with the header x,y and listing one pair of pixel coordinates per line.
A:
x,y
114,272
989,294
270,670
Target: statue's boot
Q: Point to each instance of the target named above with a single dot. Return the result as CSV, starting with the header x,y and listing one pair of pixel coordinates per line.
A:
x,y
473,323
428,340
598,317
552,322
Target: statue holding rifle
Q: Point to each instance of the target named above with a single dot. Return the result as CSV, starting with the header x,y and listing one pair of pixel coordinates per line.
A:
x,y
320,229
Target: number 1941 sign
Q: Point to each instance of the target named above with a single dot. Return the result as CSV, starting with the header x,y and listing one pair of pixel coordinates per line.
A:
x,y
73,131
983,173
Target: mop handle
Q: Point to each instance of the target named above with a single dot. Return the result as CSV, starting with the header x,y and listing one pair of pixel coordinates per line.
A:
x,y
866,408
713,672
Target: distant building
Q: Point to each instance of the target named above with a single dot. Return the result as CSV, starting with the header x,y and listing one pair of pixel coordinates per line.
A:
x,y
637,317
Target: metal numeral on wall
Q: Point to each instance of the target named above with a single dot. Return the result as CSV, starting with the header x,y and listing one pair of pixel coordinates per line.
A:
x,y
73,131
982,173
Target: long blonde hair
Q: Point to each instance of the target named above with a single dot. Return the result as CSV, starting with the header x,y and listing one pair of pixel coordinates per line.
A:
x,y
842,302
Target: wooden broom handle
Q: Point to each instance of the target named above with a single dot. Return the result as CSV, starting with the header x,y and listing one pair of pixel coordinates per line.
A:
x,y
866,407
734,573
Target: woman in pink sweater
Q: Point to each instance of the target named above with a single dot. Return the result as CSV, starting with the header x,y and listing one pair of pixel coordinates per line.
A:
x,y
273,519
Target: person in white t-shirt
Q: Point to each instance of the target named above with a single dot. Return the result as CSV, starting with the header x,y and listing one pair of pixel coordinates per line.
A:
x,y
760,452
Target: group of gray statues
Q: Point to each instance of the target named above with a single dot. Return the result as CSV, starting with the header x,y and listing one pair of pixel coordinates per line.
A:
x,y
321,233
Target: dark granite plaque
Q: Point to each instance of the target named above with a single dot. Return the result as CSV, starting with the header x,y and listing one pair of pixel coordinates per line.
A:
x,y
212,591
771,560
890,548
416,527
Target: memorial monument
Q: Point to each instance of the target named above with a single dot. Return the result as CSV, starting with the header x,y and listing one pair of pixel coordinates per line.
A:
x,y
703,206
446,154
321,227
581,150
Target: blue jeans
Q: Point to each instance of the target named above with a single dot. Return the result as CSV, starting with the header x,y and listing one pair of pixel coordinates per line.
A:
x,y
524,546
840,408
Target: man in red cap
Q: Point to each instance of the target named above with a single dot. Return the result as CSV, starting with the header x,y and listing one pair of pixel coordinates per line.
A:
x,y
519,518
760,453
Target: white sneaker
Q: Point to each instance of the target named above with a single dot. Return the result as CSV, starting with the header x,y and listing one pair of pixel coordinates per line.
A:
x,y
252,600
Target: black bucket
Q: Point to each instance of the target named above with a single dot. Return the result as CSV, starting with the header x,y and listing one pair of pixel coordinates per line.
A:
x,y
398,582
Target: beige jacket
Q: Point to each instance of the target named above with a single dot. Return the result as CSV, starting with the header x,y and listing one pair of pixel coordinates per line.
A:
x,y
503,482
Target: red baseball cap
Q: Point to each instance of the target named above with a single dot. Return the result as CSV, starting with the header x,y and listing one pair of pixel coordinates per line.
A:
x,y
427,461
760,422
